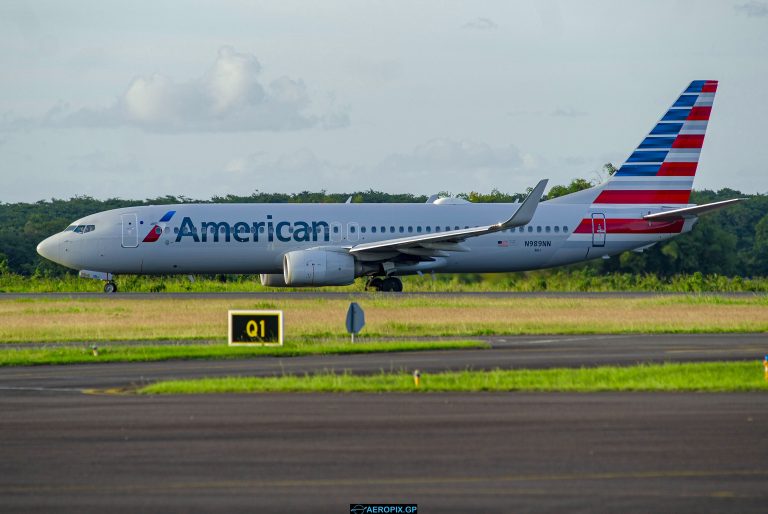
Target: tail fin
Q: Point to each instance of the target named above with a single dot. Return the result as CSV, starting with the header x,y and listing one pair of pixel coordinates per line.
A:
x,y
661,169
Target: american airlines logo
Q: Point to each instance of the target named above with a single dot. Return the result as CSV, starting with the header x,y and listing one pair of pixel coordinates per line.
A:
x,y
243,232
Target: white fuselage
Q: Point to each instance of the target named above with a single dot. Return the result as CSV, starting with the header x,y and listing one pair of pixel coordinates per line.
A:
x,y
252,238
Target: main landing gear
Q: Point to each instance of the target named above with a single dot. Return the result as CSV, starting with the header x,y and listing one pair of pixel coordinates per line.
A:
x,y
110,287
386,284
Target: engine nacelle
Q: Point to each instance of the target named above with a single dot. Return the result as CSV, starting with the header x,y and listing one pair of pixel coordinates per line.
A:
x,y
318,268
272,280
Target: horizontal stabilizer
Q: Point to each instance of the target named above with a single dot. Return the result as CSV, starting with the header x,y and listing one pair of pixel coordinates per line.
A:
x,y
691,211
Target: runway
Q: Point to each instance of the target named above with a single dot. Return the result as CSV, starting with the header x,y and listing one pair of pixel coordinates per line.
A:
x,y
446,452
500,452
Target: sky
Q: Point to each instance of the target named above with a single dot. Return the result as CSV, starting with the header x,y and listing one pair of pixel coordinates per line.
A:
x,y
197,98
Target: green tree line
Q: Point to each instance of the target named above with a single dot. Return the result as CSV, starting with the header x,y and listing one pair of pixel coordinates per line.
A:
x,y
732,241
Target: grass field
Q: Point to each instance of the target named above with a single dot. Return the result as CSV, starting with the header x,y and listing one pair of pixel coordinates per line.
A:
x,y
561,280
122,353
709,377
310,320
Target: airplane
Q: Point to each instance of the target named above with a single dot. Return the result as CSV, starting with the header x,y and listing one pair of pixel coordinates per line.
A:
x,y
298,245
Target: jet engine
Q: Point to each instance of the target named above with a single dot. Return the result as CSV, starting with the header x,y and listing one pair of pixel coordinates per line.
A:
x,y
272,280
318,268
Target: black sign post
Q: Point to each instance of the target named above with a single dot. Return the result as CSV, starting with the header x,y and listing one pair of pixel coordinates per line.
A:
x,y
258,328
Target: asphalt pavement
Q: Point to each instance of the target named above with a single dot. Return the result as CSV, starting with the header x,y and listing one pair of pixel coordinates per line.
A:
x,y
65,445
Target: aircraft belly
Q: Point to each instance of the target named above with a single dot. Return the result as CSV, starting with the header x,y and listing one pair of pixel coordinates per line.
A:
x,y
214,258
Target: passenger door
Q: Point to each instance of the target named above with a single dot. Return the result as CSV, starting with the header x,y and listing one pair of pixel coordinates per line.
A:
x,y
130,231
599,229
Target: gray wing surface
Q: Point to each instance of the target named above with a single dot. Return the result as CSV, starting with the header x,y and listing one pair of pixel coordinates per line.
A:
x,y
451,240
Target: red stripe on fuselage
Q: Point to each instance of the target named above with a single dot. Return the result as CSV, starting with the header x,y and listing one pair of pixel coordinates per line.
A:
x,y
644,196
633,226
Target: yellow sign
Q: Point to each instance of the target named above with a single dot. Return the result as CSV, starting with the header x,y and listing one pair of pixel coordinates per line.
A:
x,y
255,328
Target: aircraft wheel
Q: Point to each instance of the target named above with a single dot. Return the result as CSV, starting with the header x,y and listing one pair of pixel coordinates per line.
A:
x,y
375,284
110,287
391,284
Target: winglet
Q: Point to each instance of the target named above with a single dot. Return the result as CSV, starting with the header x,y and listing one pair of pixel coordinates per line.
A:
x,y
524,214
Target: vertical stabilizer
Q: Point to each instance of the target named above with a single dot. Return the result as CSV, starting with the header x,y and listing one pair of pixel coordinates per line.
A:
x,y
662,167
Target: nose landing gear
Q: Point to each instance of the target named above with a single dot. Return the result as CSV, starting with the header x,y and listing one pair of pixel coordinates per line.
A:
x,y
109,285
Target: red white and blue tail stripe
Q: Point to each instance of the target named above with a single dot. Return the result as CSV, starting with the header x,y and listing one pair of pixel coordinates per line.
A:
x,y
661,169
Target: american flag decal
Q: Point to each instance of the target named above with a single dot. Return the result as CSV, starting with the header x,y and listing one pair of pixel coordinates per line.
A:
x,y
503,244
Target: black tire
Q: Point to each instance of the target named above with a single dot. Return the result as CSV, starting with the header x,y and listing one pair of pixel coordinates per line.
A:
x,y
375,284
391,285
110,287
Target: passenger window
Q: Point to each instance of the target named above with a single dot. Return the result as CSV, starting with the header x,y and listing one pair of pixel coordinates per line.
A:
x,y
175,230
352,229
565,228
335,229
538,228
437,228
402,229
522,229
429,229
530,228
547,229
383,229
456,227
418,229
410,229
557,228
373,229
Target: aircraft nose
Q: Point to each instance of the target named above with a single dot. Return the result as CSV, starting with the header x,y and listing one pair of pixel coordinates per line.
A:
x,y
49,248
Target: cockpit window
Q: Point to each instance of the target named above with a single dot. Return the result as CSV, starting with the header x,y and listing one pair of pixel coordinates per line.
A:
x,y
70,228
82,229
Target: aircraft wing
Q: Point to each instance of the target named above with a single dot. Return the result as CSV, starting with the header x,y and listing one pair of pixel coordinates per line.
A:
x,y
691,211
451,240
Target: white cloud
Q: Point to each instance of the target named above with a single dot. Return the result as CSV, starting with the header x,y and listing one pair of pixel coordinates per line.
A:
x,y
258,163
450,155
230,96
481,24
568,112
753,9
